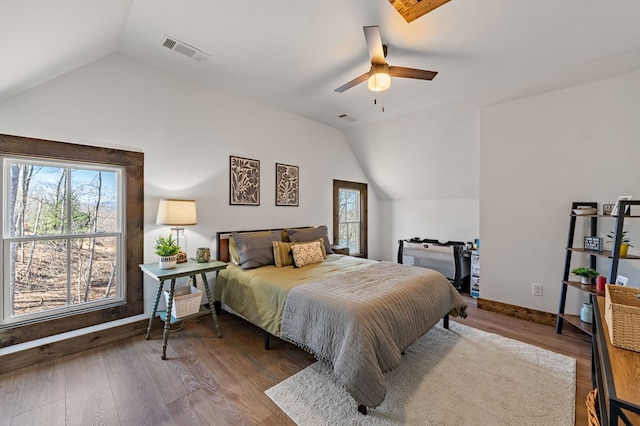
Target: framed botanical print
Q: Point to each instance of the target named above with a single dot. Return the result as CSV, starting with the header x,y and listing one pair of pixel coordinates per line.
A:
x,y
244,181
287,185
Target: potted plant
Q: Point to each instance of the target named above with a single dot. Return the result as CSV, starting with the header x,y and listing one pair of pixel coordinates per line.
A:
x,y
624,242
167,248
586,274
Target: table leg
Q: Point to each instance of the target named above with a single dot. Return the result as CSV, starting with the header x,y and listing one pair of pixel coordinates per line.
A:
x,y
167,322
213,309
155,309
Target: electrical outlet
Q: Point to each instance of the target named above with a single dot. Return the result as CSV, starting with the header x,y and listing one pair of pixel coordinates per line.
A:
x,y
536,289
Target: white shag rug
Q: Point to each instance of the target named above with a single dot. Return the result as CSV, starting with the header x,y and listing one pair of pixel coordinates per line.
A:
x,y
461,376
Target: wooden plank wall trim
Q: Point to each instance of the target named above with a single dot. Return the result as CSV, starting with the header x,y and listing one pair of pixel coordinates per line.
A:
x,y
49,352
528,314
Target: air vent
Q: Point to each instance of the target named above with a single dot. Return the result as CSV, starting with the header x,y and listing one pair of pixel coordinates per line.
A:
x,y
185,49
347,117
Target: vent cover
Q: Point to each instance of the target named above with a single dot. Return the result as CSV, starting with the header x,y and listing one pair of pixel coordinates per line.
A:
x,y
187,50
347,117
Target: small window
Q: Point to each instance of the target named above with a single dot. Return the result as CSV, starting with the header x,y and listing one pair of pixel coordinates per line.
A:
x,y
350,216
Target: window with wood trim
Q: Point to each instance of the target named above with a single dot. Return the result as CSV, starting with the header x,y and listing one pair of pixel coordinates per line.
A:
x,y
71,237
350,216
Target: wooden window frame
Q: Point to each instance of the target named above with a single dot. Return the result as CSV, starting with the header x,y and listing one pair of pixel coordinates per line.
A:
x,y
364,209
133,176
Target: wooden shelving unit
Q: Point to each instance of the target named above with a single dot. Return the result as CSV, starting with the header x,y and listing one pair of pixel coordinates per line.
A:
x,y
614,256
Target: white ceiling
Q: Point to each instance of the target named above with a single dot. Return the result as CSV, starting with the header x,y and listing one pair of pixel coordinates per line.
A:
x,y
294,54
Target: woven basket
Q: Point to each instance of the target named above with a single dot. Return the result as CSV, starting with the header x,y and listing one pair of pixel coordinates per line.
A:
x,y
622,314
592,410
186,301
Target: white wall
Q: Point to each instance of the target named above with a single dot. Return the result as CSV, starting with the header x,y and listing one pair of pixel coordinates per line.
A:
x,y
425,168
187,132
537,155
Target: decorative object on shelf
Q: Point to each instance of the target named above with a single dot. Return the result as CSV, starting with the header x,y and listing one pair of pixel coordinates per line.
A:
x,y
622,280
622,315
607,209
167,249
586,274
601,282
585,210
287,185
178,214
203,255
614,212
625,242
244,181
586,313
593,243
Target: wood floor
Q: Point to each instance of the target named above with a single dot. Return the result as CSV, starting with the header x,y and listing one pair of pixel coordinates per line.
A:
x,y
207,380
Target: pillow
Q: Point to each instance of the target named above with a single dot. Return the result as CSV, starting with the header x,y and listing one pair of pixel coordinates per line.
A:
x,y
282,252
302,235
256,250
285,233
306,254
234,256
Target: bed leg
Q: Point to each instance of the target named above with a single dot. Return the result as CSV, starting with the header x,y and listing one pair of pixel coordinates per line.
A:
x,y
266,341
445,321
362,409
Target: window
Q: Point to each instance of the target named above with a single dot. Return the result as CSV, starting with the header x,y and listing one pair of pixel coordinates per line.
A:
x,y
350,216
72,237
62,238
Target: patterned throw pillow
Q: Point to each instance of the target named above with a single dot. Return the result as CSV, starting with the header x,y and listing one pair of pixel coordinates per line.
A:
x,y
306,254
282,252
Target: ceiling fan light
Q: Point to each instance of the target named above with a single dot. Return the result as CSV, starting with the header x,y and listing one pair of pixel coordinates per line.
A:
x,y
379,78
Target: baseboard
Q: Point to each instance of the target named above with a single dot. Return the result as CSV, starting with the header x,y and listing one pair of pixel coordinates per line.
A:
x,y
528,314
51,351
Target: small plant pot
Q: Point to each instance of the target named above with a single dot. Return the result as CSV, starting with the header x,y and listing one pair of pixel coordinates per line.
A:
x,y
586,280
624,249
168,262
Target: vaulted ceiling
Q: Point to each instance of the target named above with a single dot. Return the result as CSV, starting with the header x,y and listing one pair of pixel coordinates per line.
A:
x,y
294,54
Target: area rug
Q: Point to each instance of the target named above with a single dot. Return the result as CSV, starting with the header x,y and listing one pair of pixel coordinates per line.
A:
x,y
461,376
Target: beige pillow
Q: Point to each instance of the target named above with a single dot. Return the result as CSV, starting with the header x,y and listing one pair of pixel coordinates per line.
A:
x,y
307,253
282,252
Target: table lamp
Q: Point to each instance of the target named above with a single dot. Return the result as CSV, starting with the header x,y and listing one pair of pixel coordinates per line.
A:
x,y
177,214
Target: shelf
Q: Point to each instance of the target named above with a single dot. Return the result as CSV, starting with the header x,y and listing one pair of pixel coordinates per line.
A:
x,y
590,288
576,322
603,253
174,320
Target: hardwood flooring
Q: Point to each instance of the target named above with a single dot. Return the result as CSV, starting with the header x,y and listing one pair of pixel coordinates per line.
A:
x,y
206,380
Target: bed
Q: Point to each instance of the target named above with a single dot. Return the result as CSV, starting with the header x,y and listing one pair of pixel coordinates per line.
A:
x,y
357,314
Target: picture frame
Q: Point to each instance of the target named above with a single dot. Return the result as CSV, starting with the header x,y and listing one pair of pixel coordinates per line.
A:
x,y
614,212
244,181
287,185
622,280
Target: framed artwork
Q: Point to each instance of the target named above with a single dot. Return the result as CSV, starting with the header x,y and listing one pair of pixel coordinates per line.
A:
x,y
622,280
287,185
244,181
614,212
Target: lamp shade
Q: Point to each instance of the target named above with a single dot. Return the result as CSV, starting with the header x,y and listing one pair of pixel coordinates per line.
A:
x,y
177,212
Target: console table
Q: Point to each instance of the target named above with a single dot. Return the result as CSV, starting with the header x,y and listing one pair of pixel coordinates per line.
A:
x,y
191,268
615,374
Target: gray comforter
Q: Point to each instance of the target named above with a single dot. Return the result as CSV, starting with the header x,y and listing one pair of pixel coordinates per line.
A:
x,y
362,321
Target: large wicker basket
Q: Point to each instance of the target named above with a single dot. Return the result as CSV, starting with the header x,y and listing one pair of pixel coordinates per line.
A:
x,y
592,408
622,314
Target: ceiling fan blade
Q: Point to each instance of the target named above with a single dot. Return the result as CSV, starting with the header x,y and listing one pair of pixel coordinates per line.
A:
x,y
352,83
412,73
374,44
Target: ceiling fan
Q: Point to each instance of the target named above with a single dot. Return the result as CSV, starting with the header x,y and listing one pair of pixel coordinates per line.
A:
x,y
379,76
